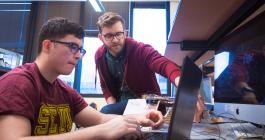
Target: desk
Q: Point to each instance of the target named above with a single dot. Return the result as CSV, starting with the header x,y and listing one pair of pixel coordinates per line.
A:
x,y
222,131
204,131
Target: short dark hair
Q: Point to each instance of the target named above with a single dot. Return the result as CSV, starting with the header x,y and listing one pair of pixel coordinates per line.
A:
x,y
108,19
58,27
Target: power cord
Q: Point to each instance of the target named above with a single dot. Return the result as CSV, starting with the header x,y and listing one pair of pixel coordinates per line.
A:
x,y
236,120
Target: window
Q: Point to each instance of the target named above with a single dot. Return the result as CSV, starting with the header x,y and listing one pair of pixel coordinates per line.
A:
x,y
68,79
13,26
150,27
87,85
88,70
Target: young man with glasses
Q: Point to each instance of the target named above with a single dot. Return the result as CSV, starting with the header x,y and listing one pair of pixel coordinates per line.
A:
x,y
34,103
126,67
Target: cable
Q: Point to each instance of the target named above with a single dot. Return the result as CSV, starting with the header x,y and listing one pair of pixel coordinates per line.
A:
x,y
263,131
247,131
236,121
233,116
219,130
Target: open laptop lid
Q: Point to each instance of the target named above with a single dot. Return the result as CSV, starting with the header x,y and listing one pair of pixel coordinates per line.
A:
x,y
185,101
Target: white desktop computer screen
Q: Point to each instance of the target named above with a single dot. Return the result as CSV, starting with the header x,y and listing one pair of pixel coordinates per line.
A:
x,y
239,87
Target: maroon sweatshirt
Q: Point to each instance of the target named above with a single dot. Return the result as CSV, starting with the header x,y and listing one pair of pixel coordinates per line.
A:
x,y
141,64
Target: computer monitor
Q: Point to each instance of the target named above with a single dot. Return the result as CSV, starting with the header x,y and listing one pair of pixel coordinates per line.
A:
x,y
239,87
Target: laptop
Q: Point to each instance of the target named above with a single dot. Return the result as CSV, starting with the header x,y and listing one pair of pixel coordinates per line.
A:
x,y
185,103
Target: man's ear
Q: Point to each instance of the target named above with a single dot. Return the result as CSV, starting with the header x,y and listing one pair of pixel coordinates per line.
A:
x,y
46,45
100,36
125,34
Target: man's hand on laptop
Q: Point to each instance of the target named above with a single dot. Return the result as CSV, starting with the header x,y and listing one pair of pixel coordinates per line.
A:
x,y
120,127
151,118
129,126
199,109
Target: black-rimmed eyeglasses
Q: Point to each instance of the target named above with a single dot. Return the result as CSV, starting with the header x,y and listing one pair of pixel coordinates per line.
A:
x,y
73,46
110,36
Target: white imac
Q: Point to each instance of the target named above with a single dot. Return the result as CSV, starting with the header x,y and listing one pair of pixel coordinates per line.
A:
x,y
229,101
239,87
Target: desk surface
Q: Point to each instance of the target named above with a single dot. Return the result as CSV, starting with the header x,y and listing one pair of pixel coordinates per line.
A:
x,y
206,130
224,131
211,131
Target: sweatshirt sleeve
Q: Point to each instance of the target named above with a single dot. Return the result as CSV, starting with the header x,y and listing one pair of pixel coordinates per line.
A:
x,y
159,64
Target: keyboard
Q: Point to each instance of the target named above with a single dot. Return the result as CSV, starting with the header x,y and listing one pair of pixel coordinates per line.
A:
x,y
247,130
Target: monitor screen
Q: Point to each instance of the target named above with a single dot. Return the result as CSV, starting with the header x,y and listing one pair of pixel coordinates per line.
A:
x,y
240,73
240,65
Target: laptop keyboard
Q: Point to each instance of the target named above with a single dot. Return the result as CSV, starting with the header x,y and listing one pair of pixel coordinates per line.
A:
x,y
161,129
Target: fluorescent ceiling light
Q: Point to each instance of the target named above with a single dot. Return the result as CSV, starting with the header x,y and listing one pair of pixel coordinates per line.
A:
x,y
4,3
97,5
49,0
14,10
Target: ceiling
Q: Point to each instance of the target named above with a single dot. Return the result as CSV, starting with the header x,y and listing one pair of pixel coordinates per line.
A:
x,y
198,20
